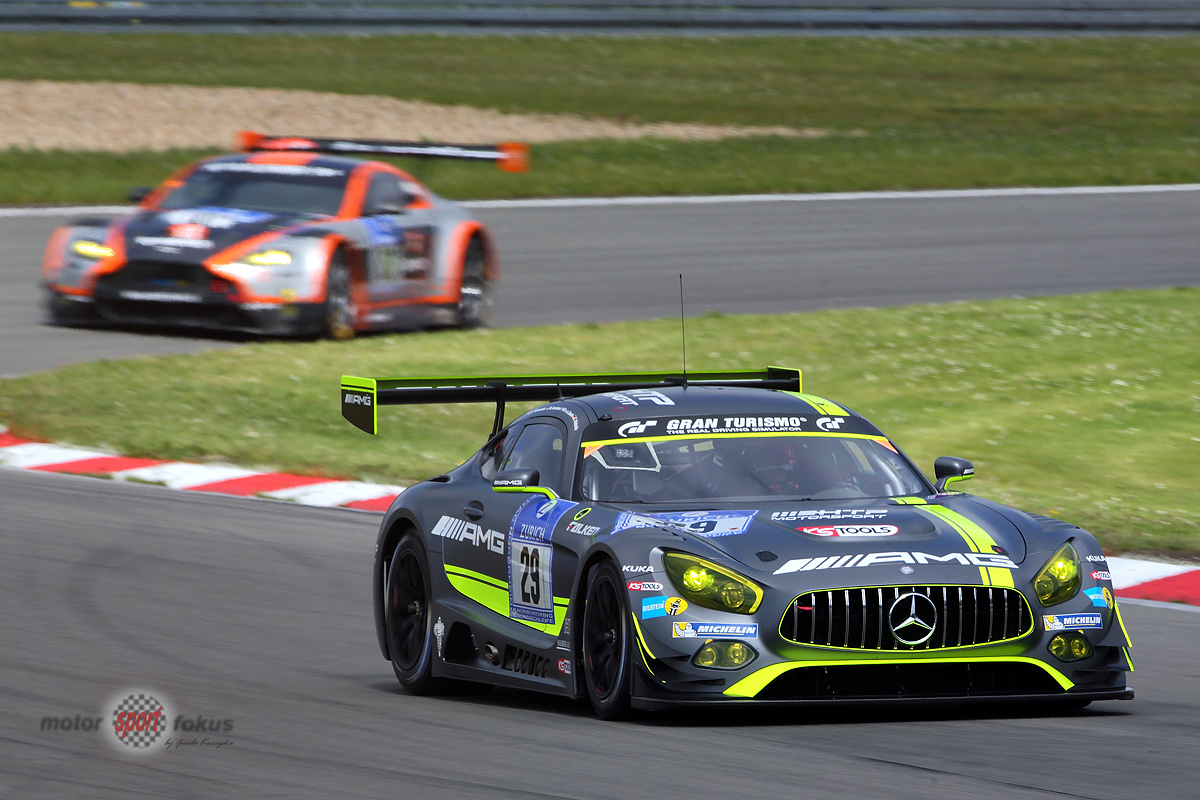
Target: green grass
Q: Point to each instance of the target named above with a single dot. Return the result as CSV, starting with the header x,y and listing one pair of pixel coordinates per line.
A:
x,y
905,113
1083,407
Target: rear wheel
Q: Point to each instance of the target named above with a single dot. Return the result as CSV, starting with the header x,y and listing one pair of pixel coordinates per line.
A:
x,y
475,296
607,662
340,312
407,617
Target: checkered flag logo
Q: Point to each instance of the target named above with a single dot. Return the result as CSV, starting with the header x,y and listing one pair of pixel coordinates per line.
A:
x,y
139,720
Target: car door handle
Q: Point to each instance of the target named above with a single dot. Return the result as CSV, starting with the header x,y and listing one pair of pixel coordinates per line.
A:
x,y
473,510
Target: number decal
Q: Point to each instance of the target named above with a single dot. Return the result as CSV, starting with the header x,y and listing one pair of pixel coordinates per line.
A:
x,y
531,579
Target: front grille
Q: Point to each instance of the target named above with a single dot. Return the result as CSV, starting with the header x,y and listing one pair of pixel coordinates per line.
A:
x,y
159,275
874,618
910,681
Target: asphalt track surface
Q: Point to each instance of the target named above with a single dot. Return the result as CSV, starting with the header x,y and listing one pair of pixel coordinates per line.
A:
x,y
599,263
258,612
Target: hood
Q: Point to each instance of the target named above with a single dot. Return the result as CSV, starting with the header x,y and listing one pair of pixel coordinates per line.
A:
x,y
192,235
809,535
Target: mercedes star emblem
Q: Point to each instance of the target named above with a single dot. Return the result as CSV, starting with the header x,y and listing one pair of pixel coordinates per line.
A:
x,y
912,618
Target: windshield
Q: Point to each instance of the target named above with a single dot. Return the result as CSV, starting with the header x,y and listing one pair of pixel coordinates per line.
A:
x,y
769,467
279,188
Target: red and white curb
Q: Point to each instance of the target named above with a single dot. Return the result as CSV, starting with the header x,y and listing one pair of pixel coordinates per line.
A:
x,y
1131,577
221,479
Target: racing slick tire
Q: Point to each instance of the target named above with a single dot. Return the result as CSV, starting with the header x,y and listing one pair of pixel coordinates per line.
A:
x,y
408,621
475,293
607,648
339,311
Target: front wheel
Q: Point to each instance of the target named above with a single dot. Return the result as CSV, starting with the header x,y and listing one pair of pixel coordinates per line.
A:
x,y
475,293
340,312
607,662
406,615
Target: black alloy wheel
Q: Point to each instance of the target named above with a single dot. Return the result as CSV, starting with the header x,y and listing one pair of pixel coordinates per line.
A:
x,y
407,617
607,661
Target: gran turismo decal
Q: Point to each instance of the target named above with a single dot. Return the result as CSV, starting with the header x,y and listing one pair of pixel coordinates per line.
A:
x,y
1062,622
829,513
850,530
636,428
830,424
692,630
460,530
877,559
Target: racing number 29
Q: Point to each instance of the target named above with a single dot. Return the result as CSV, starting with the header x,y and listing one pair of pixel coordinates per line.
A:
x,y
531,576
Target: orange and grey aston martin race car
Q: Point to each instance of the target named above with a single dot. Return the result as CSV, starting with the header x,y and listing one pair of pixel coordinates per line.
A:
x,y
293,236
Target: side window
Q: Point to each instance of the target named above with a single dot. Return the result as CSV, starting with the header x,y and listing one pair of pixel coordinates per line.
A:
x,y
384,191
540,447
490,457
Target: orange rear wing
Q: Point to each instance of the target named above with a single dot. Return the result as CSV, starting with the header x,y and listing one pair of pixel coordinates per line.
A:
x,y
509,156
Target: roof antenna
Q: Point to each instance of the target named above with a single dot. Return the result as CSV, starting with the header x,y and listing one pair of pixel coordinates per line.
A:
x,y
682,330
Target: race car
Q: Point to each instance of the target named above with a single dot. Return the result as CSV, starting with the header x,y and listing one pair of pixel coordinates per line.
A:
x,y
285,239
651,540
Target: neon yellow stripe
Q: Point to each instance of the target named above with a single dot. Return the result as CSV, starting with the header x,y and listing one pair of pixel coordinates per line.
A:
x,y
910,501
493,595
1121,622
821,405
754,683
978,539
641,640
1129,658
527,490
684,437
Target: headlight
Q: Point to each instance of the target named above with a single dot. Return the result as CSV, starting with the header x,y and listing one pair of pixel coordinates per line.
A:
x,y
706,584
90,249
1059,580
269,258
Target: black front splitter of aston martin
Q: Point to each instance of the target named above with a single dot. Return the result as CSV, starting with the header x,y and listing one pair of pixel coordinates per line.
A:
x,y
221,314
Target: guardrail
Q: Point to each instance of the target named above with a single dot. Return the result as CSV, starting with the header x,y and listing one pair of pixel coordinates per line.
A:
x,y
711,16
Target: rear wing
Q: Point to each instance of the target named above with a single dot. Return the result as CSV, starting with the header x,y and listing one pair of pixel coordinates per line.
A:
x,y
361,397
509,156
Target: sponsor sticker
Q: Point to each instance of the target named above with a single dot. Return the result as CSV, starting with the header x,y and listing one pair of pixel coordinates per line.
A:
x,y
583,530
531,559
635,396
1062,622
644,586
1101,575
829,513
1097,596
692,630
850,530
636,569
654,607
459,530
676,606
898,557
701,523
564,666
1096,559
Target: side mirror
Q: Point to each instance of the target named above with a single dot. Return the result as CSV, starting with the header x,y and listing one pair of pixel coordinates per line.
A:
x,y
138,193
949,469
521,480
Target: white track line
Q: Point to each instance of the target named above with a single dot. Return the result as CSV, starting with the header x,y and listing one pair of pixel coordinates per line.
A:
x,y
585,202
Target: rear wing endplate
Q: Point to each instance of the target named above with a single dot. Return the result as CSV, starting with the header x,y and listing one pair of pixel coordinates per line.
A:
x,y
509,156
361,397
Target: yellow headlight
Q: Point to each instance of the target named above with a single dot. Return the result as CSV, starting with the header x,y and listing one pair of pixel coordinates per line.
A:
x,y
269,258
1059,580
707,584
89,249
